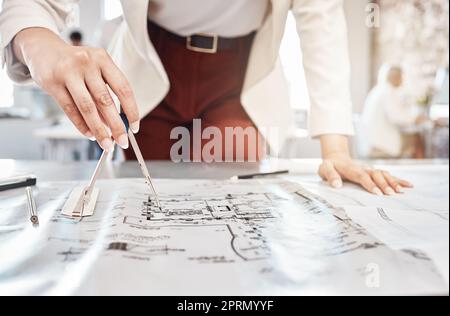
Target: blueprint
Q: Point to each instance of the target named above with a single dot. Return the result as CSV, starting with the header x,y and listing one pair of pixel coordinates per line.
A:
x,y
255,237
417,219
430,193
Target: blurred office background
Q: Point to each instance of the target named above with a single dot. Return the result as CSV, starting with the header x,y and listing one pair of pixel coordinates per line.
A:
x,y
409,38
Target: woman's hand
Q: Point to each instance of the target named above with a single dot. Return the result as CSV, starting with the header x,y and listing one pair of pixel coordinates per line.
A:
x,y
338,166
79,79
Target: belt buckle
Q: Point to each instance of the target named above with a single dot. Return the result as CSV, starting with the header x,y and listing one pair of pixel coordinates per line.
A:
x,y
212,50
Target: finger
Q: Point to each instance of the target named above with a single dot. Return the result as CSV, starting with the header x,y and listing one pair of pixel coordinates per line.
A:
x,y
330,174
122,89
404,183
65,101
104,122
363,178
381,182
106,107
78,90
393,182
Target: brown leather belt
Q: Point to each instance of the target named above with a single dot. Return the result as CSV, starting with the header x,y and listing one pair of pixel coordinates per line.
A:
x,y
203,43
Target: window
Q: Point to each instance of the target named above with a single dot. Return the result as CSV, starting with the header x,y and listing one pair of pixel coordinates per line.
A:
x,y
111,9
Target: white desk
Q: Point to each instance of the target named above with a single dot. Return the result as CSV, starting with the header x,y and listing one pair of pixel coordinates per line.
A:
x,y
28,264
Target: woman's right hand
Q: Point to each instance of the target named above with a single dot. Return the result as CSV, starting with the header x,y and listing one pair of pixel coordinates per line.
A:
x,y
78,78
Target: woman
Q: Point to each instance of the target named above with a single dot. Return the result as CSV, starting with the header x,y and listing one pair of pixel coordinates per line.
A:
x,y
172,61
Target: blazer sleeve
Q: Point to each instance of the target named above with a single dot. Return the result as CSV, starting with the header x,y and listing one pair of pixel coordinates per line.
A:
x,y
322,29
17,15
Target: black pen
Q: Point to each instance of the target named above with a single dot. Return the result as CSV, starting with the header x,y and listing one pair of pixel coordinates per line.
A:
x,y
259,175
17,182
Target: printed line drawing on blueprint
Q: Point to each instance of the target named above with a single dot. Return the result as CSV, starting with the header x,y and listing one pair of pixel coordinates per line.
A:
x,y
251,237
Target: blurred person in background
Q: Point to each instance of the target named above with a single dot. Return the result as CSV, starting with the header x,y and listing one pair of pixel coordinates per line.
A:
x,y
76,38
386,113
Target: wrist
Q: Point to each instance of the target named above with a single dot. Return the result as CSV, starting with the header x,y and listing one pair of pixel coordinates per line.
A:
x,y
337,156
30,42
334,146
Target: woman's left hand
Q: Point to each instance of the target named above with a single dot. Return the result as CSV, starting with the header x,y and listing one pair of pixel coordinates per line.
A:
x,y
341,167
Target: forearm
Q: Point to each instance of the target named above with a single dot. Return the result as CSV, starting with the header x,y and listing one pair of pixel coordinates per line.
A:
x,y
24,15
334,145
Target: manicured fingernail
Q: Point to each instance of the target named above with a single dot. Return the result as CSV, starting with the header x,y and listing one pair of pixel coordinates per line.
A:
x,y
135,127
390,191
337,184
123,141
90,136
107,144
377,191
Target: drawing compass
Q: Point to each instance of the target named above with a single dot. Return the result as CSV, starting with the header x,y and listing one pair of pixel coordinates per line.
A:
x,y
140,159
85,198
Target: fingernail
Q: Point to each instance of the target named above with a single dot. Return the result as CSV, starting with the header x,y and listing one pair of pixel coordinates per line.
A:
x,y
377,191
107,144
90,136
135,127
390,191
336,184
123,141
400,189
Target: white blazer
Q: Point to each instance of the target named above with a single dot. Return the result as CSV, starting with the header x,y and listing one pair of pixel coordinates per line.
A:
x,y
265,97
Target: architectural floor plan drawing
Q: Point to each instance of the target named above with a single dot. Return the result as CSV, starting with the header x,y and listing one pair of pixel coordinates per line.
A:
x,y
209,237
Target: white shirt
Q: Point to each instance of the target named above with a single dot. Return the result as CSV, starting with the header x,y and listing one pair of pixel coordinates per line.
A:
x,y
226,18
